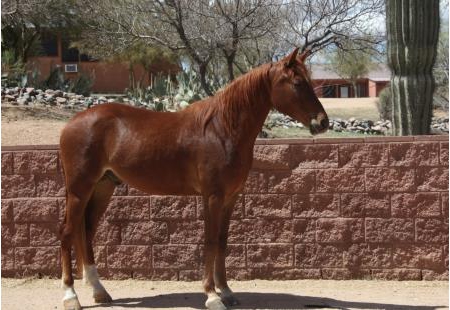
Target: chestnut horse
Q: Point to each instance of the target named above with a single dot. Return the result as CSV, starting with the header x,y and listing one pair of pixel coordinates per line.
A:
x,y
205,149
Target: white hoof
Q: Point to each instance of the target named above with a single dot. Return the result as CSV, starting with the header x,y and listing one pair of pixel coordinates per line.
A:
x,y
215,303
72,304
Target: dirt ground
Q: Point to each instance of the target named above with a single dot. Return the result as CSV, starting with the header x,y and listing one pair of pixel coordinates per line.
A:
x,y
38,125
258,294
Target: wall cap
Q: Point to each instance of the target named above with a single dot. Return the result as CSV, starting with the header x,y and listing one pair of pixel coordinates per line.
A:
x,y
276,141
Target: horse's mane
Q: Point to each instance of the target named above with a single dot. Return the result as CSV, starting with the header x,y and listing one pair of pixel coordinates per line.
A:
x,y
241,95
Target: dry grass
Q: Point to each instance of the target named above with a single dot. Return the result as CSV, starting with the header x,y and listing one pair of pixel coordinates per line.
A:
x,y
359,108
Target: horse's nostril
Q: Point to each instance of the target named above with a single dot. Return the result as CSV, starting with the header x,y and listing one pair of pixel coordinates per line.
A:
x,y
324,123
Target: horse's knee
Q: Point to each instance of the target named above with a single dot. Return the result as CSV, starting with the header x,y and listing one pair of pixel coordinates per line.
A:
x,y
66,234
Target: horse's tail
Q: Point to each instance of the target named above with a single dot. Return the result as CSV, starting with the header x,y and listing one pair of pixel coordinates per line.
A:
x,y
79,236
92,213
79,243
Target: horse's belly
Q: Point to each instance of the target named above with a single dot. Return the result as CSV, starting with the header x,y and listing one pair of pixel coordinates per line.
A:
x,y
159,181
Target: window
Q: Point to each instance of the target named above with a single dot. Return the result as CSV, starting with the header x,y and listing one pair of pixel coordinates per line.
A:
x,y
49,44
72,54
329,91
344,91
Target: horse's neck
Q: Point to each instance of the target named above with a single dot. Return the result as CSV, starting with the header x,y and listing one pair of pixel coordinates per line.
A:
x,y
245,105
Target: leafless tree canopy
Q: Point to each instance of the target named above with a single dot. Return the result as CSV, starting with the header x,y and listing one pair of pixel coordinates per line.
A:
x,y
317,24
224,37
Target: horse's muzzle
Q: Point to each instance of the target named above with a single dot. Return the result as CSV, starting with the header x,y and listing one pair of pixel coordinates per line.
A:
x,y
319,124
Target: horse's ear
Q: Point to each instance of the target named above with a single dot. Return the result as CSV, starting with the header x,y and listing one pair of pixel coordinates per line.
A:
x,y
290,60
305,54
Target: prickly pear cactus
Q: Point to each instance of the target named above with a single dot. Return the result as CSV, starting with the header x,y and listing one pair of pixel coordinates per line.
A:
x,y
412,36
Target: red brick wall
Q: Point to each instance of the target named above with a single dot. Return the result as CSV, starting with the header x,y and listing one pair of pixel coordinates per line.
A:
x,y
374,208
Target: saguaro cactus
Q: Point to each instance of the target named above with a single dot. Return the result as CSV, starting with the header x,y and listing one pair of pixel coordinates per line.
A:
x,y
412,35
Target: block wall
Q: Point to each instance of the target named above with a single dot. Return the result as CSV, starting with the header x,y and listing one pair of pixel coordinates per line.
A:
x,y
373,208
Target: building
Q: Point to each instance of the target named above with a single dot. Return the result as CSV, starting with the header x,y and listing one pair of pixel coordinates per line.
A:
x,y
108,77
114,77
328,84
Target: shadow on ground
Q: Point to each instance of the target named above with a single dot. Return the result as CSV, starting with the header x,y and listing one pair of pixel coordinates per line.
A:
x,y
256,301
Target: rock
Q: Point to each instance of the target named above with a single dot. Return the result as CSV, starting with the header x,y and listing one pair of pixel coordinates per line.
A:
x,y
351,119
58,93
337,127
30,90
110,100
49,91
88,102
22,101
61,100
102,98
10,98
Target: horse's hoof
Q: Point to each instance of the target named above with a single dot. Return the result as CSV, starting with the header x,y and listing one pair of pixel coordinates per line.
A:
x,y
72,304
102,297
230,300
214,303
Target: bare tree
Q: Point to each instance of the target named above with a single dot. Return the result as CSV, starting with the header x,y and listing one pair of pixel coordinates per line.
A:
x,y
23,20
241,21
351,64
236,34
317,24
180,25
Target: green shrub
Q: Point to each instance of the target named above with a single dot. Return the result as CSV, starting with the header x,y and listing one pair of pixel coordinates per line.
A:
x,y
384,104
82,85
55,79
13,72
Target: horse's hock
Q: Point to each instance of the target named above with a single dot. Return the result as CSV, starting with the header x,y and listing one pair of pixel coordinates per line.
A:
x,y
373,208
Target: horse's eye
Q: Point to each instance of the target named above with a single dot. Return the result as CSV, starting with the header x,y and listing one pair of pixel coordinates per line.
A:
x,y
297,82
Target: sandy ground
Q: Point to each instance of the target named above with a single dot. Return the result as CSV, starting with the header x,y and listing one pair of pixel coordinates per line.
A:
x,y
25,126
301,294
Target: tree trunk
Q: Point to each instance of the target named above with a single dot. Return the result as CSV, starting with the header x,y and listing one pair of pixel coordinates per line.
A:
x,y
412,36
202,71
355,89
230,67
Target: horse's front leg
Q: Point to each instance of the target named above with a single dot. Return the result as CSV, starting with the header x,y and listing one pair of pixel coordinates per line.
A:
x,y
220,276
212,206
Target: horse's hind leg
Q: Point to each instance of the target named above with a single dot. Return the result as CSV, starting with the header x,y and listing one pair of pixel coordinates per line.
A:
x,y
70,230
96,207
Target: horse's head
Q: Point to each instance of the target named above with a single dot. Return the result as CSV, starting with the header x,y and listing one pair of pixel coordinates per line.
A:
x,y
293,94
